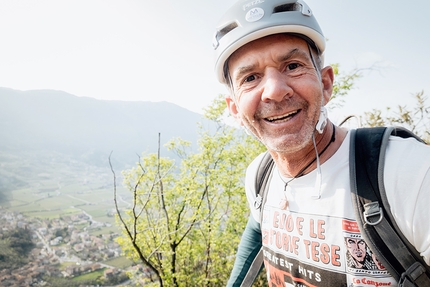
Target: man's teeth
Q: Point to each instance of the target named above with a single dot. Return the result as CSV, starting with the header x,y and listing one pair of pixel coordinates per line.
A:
x,y
282,117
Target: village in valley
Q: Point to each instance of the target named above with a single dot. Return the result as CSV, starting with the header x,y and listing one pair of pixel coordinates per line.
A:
x,y
63,250
66,207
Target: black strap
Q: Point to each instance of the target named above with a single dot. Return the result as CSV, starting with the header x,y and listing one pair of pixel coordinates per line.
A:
x,y
253,270
264,171
374,219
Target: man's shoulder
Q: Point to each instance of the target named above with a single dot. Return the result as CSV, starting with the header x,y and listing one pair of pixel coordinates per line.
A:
x,y
407,149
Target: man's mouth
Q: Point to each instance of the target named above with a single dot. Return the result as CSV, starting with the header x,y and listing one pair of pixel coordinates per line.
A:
x,y
282,118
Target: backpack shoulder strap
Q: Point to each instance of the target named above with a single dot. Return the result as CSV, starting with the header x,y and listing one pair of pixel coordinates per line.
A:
x,y
261,179
374,218
264,171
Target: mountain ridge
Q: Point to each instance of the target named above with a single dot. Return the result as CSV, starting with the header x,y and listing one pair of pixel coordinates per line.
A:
x,y
62,122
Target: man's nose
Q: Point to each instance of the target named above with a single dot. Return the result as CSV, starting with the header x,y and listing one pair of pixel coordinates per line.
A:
x,y
275,86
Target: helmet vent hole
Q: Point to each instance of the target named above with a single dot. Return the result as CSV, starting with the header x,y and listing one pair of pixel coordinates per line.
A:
x,y
225,30
286,8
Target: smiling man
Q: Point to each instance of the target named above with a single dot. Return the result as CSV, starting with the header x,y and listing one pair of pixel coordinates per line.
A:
x,y
277,94
269,54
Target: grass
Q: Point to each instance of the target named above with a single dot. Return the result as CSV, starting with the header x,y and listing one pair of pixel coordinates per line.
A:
x,y
119,262
51,214
105,230
92,276
65,264
55,205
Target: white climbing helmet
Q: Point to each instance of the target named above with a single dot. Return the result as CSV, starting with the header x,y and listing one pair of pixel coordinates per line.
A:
x,y
249,20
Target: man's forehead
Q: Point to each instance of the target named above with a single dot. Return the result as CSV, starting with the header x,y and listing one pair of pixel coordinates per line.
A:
x,y
270,41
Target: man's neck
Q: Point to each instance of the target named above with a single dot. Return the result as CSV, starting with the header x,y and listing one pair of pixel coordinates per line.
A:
x,y
299,163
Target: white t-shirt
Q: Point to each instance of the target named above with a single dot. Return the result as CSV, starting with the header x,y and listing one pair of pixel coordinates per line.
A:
x,y
316,240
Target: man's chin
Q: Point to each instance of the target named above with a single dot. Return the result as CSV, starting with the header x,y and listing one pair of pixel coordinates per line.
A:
x,y
284,144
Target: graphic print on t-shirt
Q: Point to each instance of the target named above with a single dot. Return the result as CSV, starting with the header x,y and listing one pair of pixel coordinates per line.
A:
x,y
313,250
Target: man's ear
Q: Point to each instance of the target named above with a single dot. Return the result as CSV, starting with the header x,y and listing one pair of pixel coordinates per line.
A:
x,y
327,79
232,107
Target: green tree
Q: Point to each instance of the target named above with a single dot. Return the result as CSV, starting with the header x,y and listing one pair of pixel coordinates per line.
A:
x,y
15,246
188,215
416,118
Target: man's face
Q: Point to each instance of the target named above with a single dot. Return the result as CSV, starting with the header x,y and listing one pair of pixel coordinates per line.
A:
x,y
278,92
357,248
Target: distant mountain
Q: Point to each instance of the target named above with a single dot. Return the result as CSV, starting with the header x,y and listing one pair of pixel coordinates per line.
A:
x,y
90,129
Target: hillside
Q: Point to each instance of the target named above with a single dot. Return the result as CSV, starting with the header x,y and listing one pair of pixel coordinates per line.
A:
x,y
45,130
61,122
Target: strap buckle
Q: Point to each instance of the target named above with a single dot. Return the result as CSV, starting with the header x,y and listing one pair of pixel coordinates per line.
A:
x,y
258,201
370,210
409,277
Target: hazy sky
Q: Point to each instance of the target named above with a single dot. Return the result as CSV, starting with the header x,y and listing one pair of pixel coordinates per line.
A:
x,y
161,50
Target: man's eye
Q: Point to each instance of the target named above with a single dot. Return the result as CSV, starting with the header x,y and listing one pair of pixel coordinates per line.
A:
x,y
249,79
292,66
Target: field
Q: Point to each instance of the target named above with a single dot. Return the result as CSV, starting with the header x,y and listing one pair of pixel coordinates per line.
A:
x,y
119,262
58,186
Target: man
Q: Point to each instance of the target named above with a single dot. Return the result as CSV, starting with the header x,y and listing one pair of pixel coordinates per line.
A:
x,y
357,256
269,54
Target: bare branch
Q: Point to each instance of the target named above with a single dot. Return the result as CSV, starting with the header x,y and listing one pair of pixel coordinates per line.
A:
x,y
130,235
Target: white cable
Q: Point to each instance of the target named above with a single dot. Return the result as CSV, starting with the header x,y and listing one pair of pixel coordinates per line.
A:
x,y
318,181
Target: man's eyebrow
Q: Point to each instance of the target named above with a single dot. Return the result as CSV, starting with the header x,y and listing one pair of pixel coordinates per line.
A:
x,y
293,53
243,70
